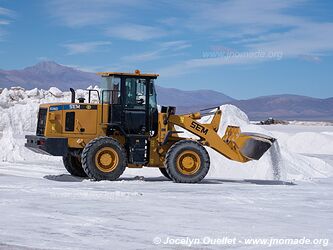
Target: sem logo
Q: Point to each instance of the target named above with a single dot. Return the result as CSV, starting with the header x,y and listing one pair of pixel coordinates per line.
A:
x,y
199,128
74,106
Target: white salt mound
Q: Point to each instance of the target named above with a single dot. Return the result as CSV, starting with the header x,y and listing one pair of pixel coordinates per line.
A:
x,y
277,163
32,93
56,92
10,150
321,143
21,106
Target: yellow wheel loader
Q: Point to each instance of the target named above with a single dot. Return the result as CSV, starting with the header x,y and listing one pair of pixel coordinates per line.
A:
x,y
124,128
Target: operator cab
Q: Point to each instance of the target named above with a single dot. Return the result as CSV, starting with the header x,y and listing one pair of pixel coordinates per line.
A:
x,y
132,99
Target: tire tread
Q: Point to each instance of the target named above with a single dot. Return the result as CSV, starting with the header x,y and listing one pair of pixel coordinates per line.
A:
x,y
173,150
94,174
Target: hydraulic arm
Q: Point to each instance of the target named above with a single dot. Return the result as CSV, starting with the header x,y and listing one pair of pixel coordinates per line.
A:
x,y
234,145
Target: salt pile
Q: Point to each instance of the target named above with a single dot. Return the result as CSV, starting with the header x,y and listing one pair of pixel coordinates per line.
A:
x,y
22,106
56,92
321,143
10,150
278,163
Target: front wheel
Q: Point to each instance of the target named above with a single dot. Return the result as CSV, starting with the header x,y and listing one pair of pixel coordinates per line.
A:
x,y
187,162
104,159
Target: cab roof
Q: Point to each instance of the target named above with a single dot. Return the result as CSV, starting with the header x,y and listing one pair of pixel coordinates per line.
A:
x,y
137,73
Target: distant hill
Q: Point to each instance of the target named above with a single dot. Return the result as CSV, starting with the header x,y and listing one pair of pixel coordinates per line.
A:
x,y
285,107
199,98
47,74
291,107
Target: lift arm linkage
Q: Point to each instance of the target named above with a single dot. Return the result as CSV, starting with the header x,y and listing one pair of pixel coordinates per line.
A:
x,y
234,145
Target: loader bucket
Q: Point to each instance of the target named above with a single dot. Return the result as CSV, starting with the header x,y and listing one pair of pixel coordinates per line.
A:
x,y
247,146
253,145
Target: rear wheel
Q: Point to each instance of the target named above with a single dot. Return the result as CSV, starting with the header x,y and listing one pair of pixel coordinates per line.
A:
x,y
73,165
104,159
187,162
165,173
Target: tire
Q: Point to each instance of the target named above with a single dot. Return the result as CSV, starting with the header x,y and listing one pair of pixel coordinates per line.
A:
x,y
187,162
73,165
165,173
104,158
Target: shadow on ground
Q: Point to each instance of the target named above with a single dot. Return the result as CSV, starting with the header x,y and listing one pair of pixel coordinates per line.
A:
x,y
70,178
64,178
249,181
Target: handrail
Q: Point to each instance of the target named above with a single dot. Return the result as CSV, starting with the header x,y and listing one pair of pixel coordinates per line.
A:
x,y
93,90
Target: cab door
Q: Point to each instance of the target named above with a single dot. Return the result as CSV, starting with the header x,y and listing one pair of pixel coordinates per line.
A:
x,y
135,105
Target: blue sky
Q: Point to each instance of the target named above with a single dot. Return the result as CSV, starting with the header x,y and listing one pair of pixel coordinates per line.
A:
x,y
242,48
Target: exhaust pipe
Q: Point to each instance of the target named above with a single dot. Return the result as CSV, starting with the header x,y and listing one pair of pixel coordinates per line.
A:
x,y
73,95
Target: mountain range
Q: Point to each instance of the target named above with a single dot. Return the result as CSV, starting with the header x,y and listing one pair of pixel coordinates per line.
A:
x,y
45,75
291,107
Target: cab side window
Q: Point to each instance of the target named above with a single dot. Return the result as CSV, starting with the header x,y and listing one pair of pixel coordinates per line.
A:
x,y
110,88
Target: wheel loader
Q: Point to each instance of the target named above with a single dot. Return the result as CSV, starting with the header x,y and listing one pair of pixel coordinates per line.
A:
x,y
126,128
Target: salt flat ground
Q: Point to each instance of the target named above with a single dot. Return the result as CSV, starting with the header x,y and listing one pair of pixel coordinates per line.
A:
x,y
42,207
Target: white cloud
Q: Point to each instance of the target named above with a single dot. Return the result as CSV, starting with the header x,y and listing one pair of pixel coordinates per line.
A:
x,y
84,47
188,66
170,21
80,13
274,25
266,25
241,17
5,12
165,49
145,56
135,32
94,68
308,38
91,69
118,18
176,45
5,18
76,14
310,58
4,22
262,25
109,14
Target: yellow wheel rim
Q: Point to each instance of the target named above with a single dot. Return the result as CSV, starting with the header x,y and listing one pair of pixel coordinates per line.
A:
x,y
188,162
106,159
